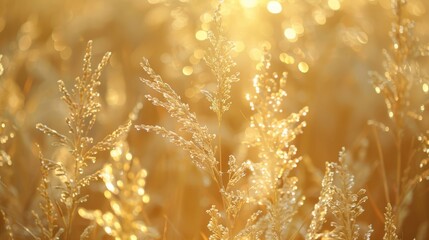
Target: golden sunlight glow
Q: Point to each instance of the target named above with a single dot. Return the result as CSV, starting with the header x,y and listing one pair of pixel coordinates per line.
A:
x,y
107,194
255,53
303,67
140,191
239,46
274,7
298,27
187,70
141,181
116,207
201,35
108,230
116,152
290,34
144,172
319,17
425,87
377,90
334,4
203,120
146,198
249,3
286,58
110,186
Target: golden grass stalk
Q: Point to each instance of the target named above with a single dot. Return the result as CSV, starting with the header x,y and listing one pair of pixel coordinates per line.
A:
x,y
339,200
125,181
47,223
389,224
220,62
201,150
83,104
222,224
272,185
401,76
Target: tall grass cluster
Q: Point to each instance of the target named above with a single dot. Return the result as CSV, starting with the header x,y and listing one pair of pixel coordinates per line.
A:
x,y
240,119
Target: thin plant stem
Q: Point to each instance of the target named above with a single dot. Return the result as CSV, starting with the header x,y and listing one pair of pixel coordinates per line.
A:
x,y
398,142
398,119
219,136
383,167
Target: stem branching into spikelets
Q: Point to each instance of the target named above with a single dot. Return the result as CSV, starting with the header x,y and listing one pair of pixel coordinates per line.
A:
x,y
389,224
320,210
273,137
402,74
200,147
83,105
338,197
220,62
47,224
125,190
201,150
125,182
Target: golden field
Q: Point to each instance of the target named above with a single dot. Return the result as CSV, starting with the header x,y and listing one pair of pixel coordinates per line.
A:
x,y
238,119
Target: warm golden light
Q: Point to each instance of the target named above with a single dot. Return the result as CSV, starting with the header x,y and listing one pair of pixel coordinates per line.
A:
x,y
425,87
290,34
220,120
334,4
303,67
319,17
187,70
249,3
286,58
201,35
146,199
274,7
377,90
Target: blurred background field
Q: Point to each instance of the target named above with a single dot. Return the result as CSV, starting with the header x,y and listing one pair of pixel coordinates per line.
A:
x,y
327,47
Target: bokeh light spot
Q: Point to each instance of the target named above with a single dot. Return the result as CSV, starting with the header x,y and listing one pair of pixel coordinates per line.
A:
x,y
274,7
334,4
187,70
290,34
303,67
425,87
201,35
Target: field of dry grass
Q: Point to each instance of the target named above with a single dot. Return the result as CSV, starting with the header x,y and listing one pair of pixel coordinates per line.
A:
x,y
235,119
